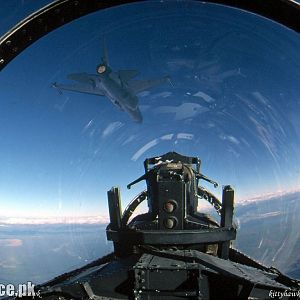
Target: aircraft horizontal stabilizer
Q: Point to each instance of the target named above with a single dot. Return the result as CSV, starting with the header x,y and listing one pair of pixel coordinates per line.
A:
x,y
138,86
126,75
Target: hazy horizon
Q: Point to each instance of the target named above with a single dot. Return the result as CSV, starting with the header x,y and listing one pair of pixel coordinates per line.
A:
x,y
104,218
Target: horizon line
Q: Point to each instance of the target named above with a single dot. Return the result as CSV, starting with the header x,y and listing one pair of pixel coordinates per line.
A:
x,y
104,219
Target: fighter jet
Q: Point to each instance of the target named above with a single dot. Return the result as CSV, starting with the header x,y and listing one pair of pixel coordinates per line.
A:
x,y
117,86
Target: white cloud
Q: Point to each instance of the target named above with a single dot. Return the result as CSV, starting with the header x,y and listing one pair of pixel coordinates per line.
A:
x,y
205,97
161,95
183,111
185,136
229,138
142,150
111,128
104,219
177,63
130,139
11,242
267,196
167,136
144,94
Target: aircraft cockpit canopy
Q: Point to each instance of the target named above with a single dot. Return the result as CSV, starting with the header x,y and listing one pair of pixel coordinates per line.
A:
x,y
78,115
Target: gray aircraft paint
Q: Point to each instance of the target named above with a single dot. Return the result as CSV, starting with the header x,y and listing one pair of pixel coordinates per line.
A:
x,y
117,86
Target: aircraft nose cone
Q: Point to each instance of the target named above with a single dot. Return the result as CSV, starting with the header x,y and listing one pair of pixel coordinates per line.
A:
x,y
139,119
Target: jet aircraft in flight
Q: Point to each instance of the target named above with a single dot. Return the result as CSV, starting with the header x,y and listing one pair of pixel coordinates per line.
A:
x,y
118,86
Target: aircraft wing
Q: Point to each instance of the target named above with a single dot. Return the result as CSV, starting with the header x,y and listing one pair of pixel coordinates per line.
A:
x,y
86,88
83,77
138,86
86,84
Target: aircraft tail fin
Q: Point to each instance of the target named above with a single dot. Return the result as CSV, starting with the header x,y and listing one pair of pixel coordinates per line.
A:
x,y
105,59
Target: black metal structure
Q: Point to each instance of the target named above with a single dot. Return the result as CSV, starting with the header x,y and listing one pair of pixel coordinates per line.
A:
x,y
173,219
172,251
61,12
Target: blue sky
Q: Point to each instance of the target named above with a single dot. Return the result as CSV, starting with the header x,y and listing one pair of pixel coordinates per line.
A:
x,y
234,103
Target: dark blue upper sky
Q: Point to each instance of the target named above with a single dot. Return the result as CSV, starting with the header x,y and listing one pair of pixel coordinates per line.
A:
x,y
234,103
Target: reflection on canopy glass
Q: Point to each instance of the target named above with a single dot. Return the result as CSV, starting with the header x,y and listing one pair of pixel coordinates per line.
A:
x,y
229,94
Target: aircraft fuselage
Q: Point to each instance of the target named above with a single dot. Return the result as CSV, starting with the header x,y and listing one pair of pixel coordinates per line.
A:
x,y
119,87
119,93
